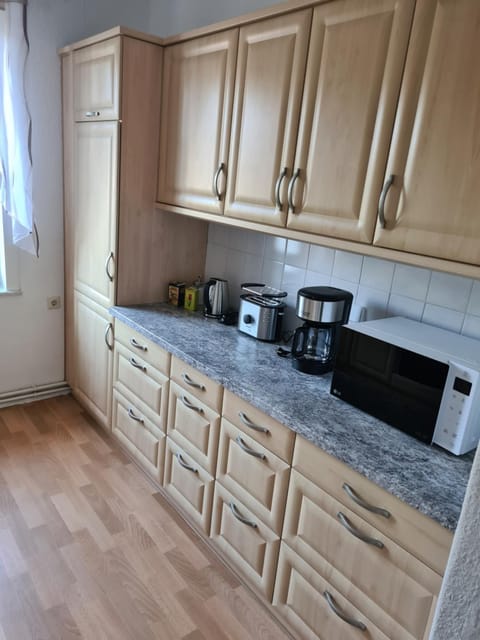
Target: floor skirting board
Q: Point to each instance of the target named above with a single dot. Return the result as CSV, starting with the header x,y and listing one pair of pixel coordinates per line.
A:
x,y
34,393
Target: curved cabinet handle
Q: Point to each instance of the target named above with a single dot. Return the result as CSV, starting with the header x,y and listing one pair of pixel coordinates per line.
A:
x,y
137,345
134,417
291,187
383,197
358,534
246,448
278,187
239,516
338,612
108,262
361,502
186,378
92,114
216,192
251,425
191,406
184,464
137,365
109,330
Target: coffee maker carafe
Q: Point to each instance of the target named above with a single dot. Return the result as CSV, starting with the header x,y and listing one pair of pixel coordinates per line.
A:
x,y
324,310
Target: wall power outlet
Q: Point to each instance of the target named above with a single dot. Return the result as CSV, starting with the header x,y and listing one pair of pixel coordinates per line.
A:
x,y
55,302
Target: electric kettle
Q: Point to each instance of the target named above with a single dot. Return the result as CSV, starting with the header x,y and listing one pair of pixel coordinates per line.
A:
x,y
215,298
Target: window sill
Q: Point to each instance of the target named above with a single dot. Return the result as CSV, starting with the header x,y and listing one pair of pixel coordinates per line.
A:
x,y
11,292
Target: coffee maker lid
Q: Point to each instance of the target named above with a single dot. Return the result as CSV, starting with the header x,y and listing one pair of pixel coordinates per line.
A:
x,y
327,294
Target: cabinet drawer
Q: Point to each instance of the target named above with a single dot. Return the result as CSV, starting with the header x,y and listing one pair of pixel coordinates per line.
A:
x,y
139,435
197,384
421,536
96,75
194,427
262,428
319,528
250,546
189,485
143,348
299,598
255,475
142,383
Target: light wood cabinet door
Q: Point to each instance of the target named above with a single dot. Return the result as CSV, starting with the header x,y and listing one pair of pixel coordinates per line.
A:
x,y
95,193
92,342
197,384
354,70
96,81
432,205
268,91
195,121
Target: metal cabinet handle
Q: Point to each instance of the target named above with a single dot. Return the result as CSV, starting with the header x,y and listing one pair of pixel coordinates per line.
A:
x,y
137,365
251,452
361,502
383,197
278,186
109,330
186,378
338,612
109,261
191,406
92,114
358,534
216,192
137,345
291,186
184,464
251,425
239,516
134,417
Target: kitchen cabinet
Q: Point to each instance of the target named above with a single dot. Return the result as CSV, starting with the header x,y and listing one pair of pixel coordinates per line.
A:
x,y
432,205
354,70
195,121
268,92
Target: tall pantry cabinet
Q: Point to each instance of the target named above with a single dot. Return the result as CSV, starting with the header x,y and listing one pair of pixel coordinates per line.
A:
x,y
118,248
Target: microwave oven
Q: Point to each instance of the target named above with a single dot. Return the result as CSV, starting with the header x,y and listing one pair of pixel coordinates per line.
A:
x,y
420,379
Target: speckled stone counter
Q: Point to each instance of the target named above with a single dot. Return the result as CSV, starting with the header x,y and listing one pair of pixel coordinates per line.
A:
x,y
427,478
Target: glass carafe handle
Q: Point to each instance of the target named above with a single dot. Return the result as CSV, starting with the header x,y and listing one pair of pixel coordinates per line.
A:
x,y
299,344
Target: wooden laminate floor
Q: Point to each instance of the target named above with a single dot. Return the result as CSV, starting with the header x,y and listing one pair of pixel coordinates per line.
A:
x,y
89,549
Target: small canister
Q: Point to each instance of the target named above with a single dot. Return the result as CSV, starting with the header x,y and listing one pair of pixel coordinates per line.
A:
x,y
191,298
176,293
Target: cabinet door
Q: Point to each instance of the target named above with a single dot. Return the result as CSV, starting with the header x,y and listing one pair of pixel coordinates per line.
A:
x,y
96,81
195,122
354,70
268,91
432,205
92,341
95,175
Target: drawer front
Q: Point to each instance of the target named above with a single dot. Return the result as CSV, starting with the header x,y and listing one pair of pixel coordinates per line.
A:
x,y
299,598
141,382
251,548
418,534
189,485
253,474
142,348
138,435
194,427
321,529
262,428
197,384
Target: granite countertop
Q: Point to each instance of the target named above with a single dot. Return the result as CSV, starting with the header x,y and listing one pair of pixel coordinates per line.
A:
x,y
427,478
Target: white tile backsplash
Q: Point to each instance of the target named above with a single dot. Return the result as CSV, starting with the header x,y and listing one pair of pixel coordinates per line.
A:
x,y
383,287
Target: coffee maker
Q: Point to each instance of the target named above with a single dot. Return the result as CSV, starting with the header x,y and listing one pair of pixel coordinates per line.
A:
x,y
324,310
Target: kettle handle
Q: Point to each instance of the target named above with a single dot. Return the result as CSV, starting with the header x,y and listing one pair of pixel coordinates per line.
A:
x,y
297,350
206,295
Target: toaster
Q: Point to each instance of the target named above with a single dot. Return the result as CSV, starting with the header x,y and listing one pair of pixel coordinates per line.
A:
x,y
261,312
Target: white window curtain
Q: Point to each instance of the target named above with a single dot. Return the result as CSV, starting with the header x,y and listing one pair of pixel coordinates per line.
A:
x,y
15,129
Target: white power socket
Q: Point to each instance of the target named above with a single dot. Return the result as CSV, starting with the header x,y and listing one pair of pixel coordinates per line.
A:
x,y
55,302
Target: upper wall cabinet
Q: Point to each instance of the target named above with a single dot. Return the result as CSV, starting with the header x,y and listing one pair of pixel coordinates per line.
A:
x,y
195,121
268,91
96,81
354,71
432,206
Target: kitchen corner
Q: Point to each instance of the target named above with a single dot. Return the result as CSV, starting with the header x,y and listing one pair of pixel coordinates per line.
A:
x,y
426,478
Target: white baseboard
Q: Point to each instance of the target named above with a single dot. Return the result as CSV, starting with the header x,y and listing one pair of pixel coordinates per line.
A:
x,y
32,394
